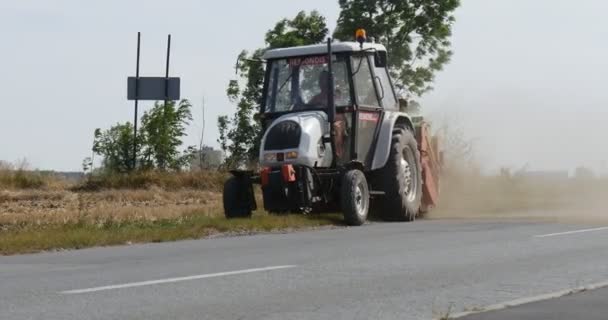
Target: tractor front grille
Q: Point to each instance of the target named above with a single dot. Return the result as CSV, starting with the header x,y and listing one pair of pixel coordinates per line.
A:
x,y
285,135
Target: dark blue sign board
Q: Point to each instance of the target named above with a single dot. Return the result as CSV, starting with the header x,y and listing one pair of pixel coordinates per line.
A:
x,y
153,88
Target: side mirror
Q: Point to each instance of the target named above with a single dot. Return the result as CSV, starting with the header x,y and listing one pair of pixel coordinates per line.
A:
x,y
380,59
402,104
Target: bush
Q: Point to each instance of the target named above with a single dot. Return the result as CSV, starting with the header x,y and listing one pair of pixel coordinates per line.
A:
x,y
23,179
202,180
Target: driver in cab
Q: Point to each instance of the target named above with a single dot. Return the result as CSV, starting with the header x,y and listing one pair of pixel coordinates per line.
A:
x,y
321,99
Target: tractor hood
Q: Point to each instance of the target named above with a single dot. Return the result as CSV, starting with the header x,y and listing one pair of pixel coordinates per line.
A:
x,y
296,138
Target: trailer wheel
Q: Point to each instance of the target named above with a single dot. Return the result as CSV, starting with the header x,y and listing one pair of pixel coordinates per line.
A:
x,y
401,179
354,196
237,198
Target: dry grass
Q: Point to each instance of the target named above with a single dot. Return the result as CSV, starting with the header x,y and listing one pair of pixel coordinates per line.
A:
x,y
24,179
32,220
26,208
134,198
19,177
201,180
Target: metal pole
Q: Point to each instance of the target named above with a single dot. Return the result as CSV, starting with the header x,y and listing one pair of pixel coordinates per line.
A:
x,y
136,102
165,125
331,102
167,69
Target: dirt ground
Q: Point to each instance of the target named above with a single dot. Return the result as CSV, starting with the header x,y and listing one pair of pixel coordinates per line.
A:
x,y
39,207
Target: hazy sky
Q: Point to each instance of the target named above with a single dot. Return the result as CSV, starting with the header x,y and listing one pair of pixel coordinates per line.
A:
x,y
526,80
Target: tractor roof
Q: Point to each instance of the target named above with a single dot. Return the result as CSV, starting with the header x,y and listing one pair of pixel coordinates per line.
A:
x,y
318,49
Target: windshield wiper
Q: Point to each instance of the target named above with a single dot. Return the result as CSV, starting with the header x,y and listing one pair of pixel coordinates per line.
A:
x,y
359,66
290,76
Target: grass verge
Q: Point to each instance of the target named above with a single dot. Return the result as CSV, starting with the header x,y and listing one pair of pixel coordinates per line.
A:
x,y
83,235
208,180
22,179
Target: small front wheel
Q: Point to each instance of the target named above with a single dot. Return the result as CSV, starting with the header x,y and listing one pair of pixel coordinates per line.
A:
x,y
354,198
237,199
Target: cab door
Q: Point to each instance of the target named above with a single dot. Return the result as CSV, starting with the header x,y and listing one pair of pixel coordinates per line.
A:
x,y
368,108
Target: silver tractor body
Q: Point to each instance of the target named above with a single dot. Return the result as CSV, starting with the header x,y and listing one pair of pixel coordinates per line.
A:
x,y
297,139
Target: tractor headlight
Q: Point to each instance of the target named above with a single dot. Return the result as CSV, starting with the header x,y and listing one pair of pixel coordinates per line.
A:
x,y
270,157
291,155
321,148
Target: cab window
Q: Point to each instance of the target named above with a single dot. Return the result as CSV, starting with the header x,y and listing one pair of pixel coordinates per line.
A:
x,y
364,83
386,89
299,83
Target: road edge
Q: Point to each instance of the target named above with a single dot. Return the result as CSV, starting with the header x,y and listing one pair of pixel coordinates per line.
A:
x,y
526,300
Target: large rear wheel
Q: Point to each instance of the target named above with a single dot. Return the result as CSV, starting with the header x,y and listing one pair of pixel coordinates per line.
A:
x,y
401,179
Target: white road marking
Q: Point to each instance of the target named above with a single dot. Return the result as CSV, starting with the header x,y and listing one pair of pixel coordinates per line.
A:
x,y
170,280
522,301
570,232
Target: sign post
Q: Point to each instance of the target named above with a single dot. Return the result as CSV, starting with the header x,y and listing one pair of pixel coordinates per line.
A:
x,y
136,101
151,88
167,70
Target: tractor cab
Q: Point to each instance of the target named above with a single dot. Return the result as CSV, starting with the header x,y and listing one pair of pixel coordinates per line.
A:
x,y
297,90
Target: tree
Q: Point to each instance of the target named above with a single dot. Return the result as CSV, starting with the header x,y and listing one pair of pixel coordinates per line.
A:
x,y
116,147
162,129
240,134
415,32
158,140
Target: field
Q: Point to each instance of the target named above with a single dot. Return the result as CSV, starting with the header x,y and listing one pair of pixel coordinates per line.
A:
x,y
120,209
39,211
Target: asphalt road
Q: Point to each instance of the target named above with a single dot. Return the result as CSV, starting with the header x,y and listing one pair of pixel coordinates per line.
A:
x,y
590,305
380,271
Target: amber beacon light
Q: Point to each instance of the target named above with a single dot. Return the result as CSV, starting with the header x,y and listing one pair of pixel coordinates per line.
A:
x,y
361,36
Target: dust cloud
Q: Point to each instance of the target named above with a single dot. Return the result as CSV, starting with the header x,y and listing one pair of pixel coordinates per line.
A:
x,y
530,97
473,187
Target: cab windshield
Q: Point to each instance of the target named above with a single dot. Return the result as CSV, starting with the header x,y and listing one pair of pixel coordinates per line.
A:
x,y
301,83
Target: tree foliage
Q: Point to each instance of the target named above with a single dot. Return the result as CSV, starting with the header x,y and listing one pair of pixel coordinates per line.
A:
x,y
158,140
415,32
239,134
162,130
303,29
115,145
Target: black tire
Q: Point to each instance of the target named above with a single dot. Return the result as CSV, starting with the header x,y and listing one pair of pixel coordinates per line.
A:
x,y
402,194
354,197
237,199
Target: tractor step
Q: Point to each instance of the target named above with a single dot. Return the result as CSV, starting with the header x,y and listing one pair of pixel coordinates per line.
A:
x,y
377,193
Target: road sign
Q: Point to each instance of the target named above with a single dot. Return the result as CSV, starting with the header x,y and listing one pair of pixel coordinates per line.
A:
x,y
153,88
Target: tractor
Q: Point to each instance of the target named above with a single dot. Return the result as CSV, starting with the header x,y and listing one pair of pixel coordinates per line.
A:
x,y
337,138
